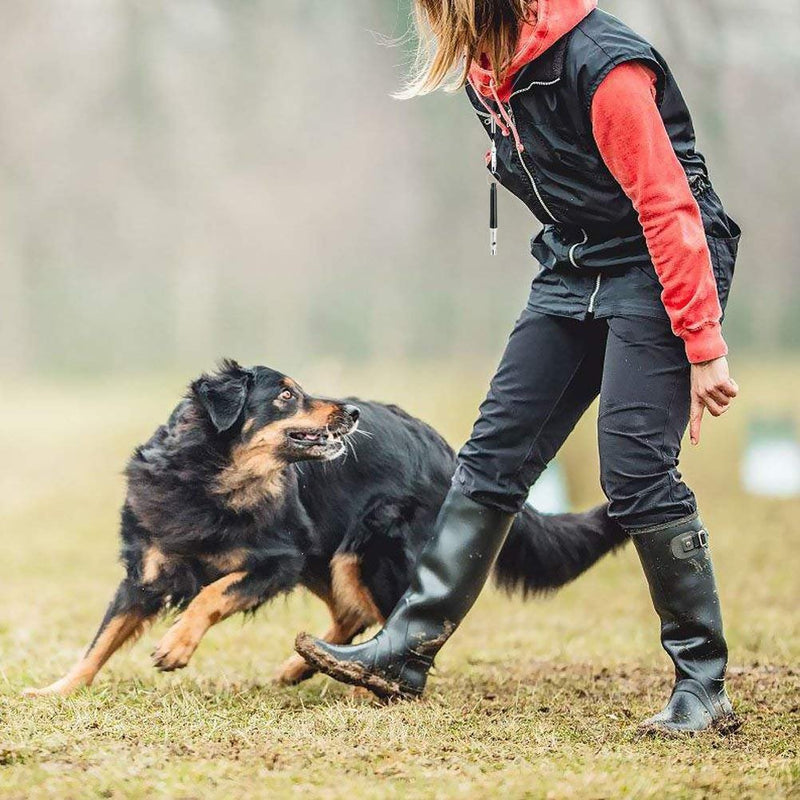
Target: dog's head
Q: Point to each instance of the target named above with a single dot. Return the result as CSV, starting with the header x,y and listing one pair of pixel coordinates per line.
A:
x,y
263,414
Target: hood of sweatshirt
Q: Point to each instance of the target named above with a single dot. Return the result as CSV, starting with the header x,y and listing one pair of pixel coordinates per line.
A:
x,y
549,21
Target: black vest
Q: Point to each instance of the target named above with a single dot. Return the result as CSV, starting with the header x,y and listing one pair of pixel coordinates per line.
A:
x,y
589,221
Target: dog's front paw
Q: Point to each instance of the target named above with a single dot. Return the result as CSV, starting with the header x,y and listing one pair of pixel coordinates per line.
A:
x,y
175,648
60,688
294,670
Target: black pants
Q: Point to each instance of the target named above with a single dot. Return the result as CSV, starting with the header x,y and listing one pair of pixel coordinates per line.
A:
x,y
551,371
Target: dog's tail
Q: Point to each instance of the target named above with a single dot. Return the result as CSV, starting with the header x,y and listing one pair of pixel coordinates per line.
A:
x,y
546,551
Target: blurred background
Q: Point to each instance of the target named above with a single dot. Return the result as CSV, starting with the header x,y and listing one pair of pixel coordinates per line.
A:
x,y
196,178
193,179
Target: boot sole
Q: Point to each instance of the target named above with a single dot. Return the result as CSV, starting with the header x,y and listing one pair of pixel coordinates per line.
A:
x,y
725,726
351,672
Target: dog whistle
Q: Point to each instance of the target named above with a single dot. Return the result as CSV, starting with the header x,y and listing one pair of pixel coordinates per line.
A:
x,y
493,219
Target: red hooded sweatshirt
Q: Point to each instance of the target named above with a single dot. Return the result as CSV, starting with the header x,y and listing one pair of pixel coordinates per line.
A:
x,y
636,148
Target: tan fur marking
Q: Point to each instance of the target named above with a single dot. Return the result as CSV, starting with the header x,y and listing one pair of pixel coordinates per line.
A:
x,y
228,561
212,605
321,413
350,596
119,630
152,564
248,425
254,473
345,625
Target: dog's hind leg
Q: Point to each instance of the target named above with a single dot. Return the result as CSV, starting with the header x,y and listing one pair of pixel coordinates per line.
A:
x,y
124,620
353,611
296,669
214,603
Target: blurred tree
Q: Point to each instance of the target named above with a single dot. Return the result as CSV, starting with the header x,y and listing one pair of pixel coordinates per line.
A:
x,y
208,177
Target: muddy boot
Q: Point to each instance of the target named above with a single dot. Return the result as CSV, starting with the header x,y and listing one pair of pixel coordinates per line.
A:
x,y
677,563
446,581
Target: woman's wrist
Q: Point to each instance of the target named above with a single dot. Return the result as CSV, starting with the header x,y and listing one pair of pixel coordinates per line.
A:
x,y
705,343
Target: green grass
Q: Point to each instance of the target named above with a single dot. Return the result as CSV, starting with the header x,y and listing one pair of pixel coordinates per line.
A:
x,y
537,699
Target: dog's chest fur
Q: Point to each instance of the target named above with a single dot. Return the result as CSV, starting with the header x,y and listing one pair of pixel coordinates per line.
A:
x,y
184,494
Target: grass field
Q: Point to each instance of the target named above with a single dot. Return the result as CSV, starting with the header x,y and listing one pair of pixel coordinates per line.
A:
x,y
537,699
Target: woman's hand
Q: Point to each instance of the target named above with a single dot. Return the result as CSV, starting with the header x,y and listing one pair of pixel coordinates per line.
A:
x,y
712,389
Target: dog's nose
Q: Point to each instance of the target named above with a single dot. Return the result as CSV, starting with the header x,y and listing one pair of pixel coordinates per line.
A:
x,y
353,412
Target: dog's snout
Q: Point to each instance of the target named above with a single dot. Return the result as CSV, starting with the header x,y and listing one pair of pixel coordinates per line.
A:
x,y
352,411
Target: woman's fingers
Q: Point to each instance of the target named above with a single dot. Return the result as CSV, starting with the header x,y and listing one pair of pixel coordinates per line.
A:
x,y
730,388
719,397
712,389
723,392
715,409
699,406
696,419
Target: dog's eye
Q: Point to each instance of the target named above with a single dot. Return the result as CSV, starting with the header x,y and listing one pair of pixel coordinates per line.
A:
x,y
286,394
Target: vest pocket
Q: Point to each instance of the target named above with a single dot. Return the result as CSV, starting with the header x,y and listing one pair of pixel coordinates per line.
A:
x,y
723,259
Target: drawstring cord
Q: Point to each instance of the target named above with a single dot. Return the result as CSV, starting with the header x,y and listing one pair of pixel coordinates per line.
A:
x,y
507,117
491,162
498,120
505,122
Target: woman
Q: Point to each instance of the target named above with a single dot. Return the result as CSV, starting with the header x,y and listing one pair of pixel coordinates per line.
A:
x,y
590,131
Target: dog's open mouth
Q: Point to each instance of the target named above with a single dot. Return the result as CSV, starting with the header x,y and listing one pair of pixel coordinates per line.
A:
x,y
320,443
310,437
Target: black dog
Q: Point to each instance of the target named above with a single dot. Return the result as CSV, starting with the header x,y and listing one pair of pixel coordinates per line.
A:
x,y
235,500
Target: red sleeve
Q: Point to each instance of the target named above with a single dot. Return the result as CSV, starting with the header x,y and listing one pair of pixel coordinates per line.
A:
x,y
635,146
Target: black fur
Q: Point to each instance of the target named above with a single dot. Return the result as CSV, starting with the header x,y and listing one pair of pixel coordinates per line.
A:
x,y
376,502
546,551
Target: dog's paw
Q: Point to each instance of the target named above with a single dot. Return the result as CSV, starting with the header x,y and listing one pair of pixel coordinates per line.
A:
x,y
294,670
364,695
61,688
175,648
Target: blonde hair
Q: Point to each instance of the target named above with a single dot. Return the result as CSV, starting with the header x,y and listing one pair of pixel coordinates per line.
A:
x,y
454,33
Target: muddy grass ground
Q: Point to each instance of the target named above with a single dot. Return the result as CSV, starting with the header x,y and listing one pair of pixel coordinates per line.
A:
x,y
536,699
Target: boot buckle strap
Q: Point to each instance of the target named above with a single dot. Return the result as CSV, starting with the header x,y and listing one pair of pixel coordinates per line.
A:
x,y
685,545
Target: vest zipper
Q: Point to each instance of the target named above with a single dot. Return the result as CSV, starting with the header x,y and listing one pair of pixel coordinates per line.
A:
x,y
590,310
530,177
543,204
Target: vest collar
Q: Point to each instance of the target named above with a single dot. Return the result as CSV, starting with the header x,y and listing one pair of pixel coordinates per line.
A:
x,y
543,71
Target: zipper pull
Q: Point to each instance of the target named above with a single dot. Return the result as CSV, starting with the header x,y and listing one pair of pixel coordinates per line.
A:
x,y
493,195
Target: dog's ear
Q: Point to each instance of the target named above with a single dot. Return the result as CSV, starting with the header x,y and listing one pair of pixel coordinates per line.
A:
x,y
223,396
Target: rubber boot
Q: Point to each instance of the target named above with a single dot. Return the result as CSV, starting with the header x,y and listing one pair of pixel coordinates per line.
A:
x,y
446,581
677,563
